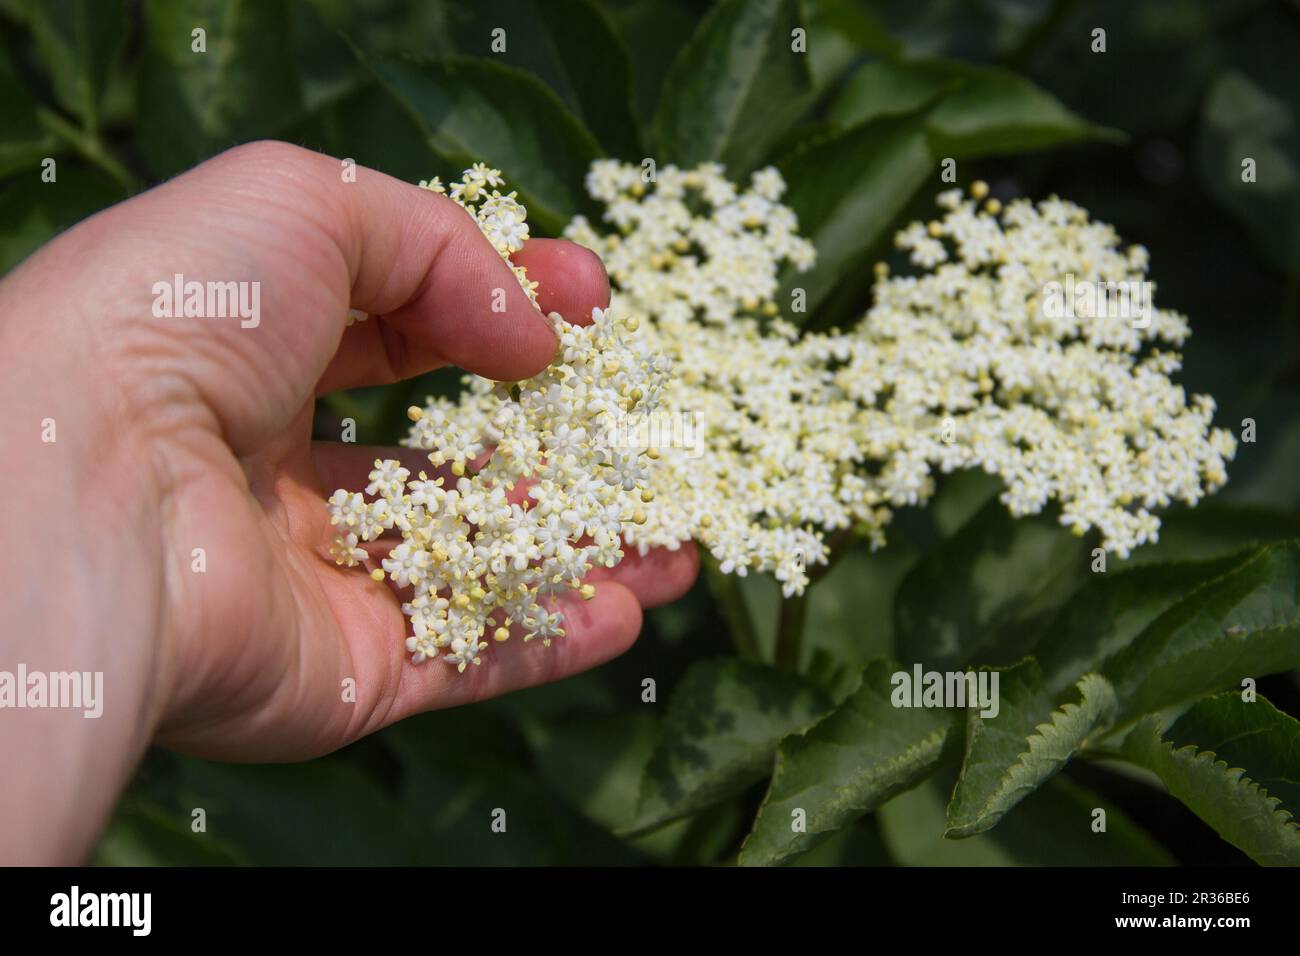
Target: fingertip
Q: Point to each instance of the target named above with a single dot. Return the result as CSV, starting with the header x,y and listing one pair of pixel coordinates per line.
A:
x,y
571,279
660,576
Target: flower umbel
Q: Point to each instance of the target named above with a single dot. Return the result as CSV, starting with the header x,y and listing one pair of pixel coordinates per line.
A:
x,y
961,367
531,496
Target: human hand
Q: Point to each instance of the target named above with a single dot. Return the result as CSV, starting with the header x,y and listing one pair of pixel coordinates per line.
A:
x,y
184,433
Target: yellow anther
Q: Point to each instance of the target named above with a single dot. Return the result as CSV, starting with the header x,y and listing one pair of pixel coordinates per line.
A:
x,y
415,413
979,189
377,574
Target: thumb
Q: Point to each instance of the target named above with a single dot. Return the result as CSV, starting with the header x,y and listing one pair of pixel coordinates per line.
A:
x,y
313,240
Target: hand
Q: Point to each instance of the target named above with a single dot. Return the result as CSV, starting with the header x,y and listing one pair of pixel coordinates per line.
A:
x,y
175,434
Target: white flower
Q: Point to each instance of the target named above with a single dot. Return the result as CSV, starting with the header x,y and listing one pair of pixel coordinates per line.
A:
x,y
476,559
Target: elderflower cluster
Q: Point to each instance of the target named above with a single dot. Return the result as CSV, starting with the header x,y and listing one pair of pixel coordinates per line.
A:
x,y
981,362
503,219
961,367
700,258
536,497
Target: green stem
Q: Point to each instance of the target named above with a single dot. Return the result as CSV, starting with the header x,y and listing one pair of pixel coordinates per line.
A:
x,y
726,591
789,631
794,611
90,147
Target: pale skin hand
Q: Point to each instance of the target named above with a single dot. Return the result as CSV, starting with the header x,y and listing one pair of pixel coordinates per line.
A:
x,y
176,434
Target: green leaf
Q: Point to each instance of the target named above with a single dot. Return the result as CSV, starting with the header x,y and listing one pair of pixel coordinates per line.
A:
x,y
979,111
475,110
190,104
983,594
890,88
653,31
78,41
847,190
1250,734
849,618
841,31
853,760
34,212
367,125
1011,754
1109,612
722,727
1052,827
463,768
322,812
596,763
23,141
735,87
1242,121
1231,790
571,46
1216,529
142,833
1244,623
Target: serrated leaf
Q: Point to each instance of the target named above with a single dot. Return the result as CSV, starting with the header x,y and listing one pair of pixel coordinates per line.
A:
x,y
1011,754
78,41
853,760
985,593
1244,623
1108,613
474,110
875,169
191,104
735,87
1218,789
722,727
1052,827
1254,735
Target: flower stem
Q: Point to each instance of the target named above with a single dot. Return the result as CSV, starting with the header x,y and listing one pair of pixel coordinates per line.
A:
x,y
794,611
789,631
726,591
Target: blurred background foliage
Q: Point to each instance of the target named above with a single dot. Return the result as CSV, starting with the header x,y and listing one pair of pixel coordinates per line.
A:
x,y
1147,135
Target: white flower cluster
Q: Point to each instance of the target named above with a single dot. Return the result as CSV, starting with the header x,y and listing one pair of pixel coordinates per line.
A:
x,y
962,367
700,259
537,496
981,363
503,219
